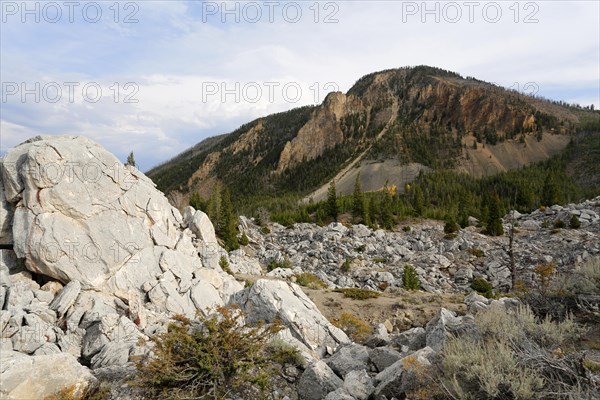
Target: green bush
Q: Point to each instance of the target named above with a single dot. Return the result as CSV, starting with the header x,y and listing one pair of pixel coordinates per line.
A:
x,y
574,222
358,294
224,264
410,278
451,226
346,265
476,252
406,228
559,224
357,329
285,263
210,358
379,260
513,356
244,239
483,287
284,353
310,281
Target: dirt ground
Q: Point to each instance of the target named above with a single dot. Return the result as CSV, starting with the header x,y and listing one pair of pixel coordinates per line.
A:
x,y
403,309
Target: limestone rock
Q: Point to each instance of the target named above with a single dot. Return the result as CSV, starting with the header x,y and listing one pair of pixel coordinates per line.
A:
x,y
268,300
66,298
350,357
317,381
37,377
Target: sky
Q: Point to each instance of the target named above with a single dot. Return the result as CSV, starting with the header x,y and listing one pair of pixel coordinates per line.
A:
x,y
156,77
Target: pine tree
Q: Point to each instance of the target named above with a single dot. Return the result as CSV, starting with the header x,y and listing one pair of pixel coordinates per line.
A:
x,y
387,217
494,220
130,160
374,211
551,191
332,205
214,205
227,222
358,202
463,209
418,201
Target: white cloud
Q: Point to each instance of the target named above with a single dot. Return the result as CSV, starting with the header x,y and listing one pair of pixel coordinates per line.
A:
x,y
172,55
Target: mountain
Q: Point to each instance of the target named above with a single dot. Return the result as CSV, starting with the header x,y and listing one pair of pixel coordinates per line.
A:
x,y
388,127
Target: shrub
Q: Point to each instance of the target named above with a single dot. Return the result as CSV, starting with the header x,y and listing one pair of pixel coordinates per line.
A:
x,y
224,264
410,278
361,248
476,252
451,226
358,294
513,356
244,239
346,265
560,294
208,358
379,260
285,263
574,222
284,353
483,287
559,224
357,329
265,230
310,281
406,228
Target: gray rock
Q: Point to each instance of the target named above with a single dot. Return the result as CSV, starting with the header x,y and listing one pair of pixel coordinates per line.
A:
x,y
269,300
394,381
37,377
19,295
441,326
84,216
379,338
113,354
350,357
167,297
414,339
66,298
359,385
46,349
339,394
199,223
383,357
317,381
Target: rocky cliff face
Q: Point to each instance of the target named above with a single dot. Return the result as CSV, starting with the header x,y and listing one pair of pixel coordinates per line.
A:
x,y
418,115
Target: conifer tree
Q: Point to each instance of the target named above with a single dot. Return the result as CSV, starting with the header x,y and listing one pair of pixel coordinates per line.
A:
x,y
358,202
387,217
214,205
130,159
227,222
494,220
332,206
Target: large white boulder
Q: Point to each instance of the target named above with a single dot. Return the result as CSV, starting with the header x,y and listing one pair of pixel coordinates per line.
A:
x,y
269,300
81,215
